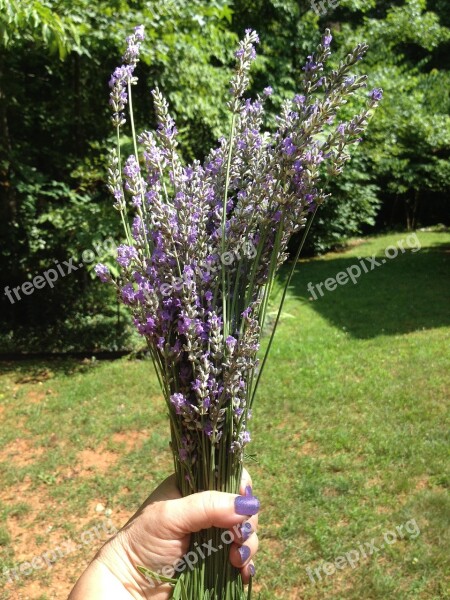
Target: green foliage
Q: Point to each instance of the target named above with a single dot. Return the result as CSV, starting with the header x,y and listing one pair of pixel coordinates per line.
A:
x,y
23,21
352,207
409,140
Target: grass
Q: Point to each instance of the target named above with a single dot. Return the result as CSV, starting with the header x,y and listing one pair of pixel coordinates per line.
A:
x,y
350,439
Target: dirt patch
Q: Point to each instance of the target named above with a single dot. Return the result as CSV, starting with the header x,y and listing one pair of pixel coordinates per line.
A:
x,y
95,460
309,449
423,483
17,492
373,482
63,554
20,452
132,440
35,396
330,492
383,510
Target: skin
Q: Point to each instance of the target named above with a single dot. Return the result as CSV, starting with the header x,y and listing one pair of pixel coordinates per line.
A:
x,y
158,535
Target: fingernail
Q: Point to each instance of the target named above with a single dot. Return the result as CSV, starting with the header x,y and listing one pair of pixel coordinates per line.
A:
x,y
244,551
252,570
246,505
249,491
246,530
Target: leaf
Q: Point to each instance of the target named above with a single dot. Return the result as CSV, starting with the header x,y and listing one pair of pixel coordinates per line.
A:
x,y
155,576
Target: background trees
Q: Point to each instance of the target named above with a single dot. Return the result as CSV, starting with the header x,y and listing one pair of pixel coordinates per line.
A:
x,y
55,61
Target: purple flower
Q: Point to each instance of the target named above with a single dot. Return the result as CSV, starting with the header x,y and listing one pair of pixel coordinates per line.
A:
x,y
289,147
299,99
120,76
179,402
102,272
245,437
376,94
147,328
131,168
298,166
253,35
183,324
268,91
230,343
138,227
326,40
128,294
125,254
139,32
311,65
208,429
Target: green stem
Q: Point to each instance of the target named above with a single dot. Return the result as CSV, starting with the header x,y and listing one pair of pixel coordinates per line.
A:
x,y
224,218
141,211
283,298
126,225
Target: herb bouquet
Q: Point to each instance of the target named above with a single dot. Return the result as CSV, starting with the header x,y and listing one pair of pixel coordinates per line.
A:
x,y
202,252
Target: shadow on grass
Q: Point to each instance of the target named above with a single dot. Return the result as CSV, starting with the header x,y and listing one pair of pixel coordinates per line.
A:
x,y
408,293
39,370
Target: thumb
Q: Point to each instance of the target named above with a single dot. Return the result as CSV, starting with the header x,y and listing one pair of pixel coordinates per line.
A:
x,y
209,509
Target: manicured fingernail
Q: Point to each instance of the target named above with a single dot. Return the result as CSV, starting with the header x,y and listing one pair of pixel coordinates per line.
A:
x,y
244,551
252,570
246,505
246,530
249,491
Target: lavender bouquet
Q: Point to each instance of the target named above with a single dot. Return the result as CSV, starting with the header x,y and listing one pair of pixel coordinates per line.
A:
x,y
201,254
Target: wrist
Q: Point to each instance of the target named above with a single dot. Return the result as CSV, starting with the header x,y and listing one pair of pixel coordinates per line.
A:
x,y
119,559
98,582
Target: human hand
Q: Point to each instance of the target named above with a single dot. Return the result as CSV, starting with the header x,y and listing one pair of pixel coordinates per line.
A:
x,y
158,536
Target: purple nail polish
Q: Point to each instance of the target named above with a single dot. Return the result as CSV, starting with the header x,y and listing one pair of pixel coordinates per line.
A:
x,y
252,570
249,491
246,531
244,551
246,505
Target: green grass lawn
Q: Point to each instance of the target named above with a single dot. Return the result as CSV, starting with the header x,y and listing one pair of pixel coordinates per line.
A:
x,y
350,435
